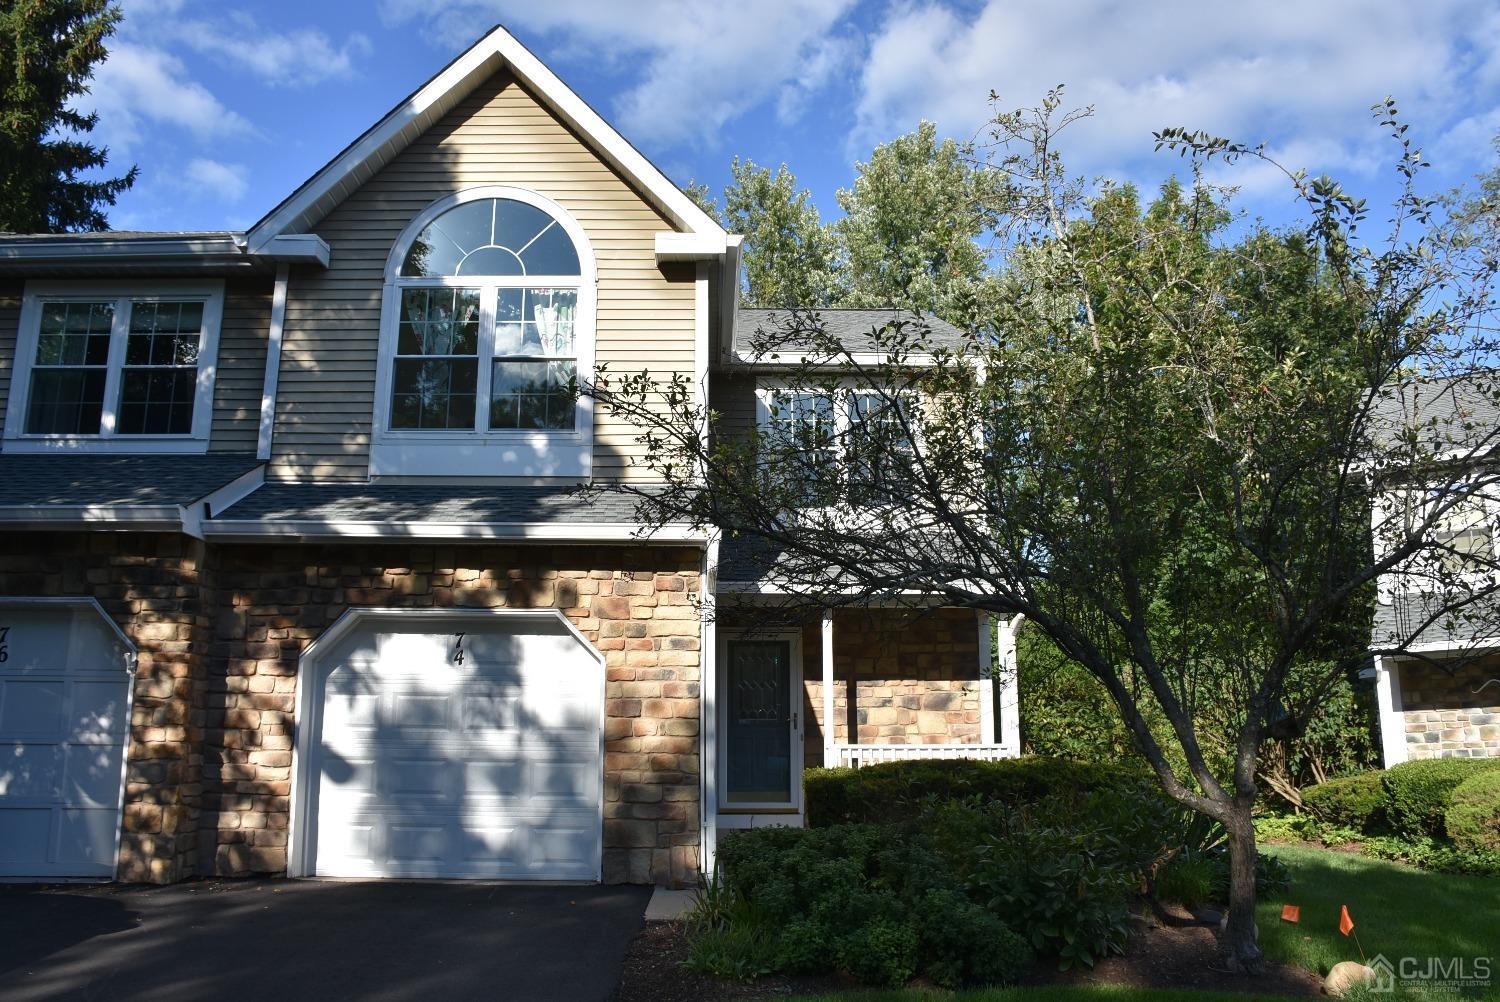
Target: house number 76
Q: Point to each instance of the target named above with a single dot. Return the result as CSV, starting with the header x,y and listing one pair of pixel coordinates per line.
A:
x,y
4,652
458,650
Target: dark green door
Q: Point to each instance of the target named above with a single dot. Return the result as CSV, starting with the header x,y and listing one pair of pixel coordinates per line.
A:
x,y
759,737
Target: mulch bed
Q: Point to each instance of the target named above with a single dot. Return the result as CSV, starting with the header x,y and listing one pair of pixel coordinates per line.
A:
x,y
1165,956
1160,956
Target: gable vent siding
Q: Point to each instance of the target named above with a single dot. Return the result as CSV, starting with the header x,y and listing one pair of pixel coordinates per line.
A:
x,y
500,134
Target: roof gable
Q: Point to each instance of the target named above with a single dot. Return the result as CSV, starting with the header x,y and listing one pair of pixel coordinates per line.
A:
x,y
430,103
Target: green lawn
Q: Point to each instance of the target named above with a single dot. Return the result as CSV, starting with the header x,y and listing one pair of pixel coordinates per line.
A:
x,y
1398,911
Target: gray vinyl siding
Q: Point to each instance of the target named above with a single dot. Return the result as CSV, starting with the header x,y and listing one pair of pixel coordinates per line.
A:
x,y
500,134
732,395
242,365
10,315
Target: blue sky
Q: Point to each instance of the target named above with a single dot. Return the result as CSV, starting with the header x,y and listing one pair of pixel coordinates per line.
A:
x,y
227,106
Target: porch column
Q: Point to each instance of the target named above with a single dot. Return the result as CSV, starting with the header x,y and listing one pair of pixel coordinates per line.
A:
x,y
1392,720
986,680
828,722
1010,688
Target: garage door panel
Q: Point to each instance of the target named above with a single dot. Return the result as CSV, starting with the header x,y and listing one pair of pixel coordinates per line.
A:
x,y
86,836
459,767
91,774
25,839
32,708
493,780
31,772
99,715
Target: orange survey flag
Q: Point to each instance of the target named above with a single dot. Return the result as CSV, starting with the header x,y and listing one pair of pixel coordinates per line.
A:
x,y
1290,913
1346,924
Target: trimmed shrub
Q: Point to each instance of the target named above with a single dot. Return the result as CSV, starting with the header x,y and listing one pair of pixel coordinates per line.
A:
x,y
1473,815
876,901
1417,792
897,791
1351,802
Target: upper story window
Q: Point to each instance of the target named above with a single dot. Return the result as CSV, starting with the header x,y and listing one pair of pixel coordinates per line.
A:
x,y
114,367
858,435
487,332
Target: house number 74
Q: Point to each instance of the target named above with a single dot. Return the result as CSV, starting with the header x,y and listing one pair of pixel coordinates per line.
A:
x,y
458,650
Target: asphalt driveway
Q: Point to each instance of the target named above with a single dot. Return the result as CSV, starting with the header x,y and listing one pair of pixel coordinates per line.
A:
x,y
286,940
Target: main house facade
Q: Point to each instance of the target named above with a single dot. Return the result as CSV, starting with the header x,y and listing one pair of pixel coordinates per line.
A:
x,y
293,577
1439,697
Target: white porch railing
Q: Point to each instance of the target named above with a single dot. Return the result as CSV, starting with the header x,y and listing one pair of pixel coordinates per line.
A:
x,y
858,755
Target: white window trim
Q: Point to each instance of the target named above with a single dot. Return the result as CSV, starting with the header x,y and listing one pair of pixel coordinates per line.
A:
x,y
475,452
766,389
17,440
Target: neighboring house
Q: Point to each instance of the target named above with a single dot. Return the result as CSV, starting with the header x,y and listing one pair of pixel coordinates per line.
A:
x,y
292,577
1440,698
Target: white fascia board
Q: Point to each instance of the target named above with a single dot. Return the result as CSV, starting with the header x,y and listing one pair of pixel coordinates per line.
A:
x,y
751,592
496,49
297,248
627,533
690,246
790,360
53,516
126,247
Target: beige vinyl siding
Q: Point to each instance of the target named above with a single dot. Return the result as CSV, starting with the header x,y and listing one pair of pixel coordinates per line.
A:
x,y
499,135
241,370
10,316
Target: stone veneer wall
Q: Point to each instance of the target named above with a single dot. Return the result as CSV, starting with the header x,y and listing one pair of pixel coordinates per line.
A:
x,y
634,603
156,587
914,675
1445,717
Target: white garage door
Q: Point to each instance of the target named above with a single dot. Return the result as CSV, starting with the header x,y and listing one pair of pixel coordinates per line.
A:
x,y
455,747
64,716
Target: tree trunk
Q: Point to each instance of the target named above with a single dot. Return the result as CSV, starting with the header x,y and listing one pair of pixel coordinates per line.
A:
x,y
1238,947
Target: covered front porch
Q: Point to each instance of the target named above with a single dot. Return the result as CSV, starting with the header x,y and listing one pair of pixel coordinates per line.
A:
x,y
847,687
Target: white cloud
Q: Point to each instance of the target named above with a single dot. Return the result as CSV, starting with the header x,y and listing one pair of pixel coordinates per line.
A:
x,y
214,180
695,66
138,87
297,57
1299,76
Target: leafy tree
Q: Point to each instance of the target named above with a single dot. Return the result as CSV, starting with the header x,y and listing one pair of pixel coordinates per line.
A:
x,y
48,50
912,225
790,258
1146,453
703,197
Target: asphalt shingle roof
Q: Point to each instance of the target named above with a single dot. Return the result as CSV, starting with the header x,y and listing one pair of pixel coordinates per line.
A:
x,y
1453,413
116,480
853,328
447,503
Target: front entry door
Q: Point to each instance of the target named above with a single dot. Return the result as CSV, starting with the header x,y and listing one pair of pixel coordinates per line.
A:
x,y
762,707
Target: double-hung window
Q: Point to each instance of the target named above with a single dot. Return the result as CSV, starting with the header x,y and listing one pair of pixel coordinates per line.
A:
x,y
860,436
804,427
118,367
488,333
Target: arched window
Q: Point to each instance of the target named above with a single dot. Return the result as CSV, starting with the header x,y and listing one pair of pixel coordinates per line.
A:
x,y
489,326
